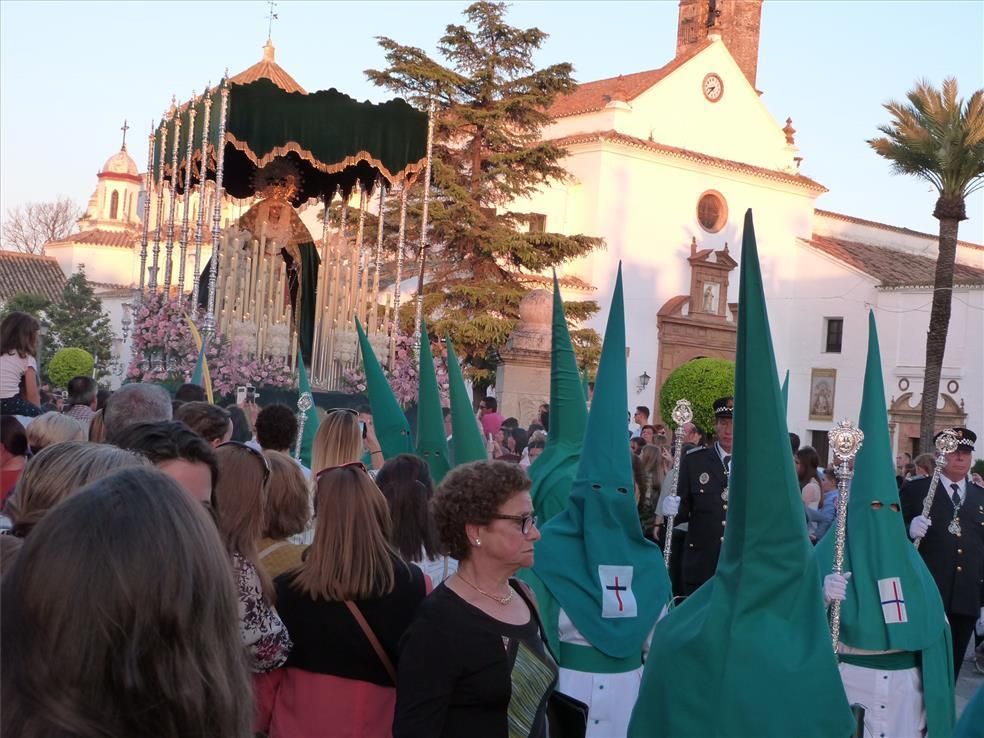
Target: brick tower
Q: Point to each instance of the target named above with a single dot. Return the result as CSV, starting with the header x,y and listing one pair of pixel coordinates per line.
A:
x,y
737,21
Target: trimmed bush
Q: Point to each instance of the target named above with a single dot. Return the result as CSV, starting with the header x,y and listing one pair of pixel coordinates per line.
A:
x,y
701,381
69,363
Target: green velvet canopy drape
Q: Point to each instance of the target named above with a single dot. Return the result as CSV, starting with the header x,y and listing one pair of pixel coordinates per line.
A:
x,y
333,139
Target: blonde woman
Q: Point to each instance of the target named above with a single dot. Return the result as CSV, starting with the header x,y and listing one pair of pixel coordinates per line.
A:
x,y
343,437
57,472
51,428
288,512
241,495
351,595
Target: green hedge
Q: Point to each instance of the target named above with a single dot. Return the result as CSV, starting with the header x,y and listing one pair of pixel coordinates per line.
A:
x,y
69,363
701,381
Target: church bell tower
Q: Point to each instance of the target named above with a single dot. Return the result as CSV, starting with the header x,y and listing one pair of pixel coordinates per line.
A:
x,y
737,22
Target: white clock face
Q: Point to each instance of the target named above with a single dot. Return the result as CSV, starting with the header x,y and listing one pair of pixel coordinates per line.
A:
x,y
713,87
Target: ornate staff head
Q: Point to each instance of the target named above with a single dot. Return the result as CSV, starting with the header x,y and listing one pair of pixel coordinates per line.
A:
x,y
682,413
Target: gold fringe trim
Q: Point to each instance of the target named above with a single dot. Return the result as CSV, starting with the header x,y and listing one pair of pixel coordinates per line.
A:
x,y
407,173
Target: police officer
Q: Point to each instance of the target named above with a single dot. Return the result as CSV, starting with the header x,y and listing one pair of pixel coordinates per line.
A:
x,y
952,538
703,500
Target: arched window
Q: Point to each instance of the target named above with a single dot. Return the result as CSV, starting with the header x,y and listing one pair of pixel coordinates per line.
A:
x,y
114,205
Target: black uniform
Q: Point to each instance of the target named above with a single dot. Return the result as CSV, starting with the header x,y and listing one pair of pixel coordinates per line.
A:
x,y
702,481
956,562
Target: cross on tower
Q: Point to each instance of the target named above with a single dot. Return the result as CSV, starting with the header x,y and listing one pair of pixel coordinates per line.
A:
x,y
124,128
271,17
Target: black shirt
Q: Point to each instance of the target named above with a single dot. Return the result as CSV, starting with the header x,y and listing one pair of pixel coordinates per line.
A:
x,y
463,673
328,640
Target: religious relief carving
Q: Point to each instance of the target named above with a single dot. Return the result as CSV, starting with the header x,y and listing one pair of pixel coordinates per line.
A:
x,y
701,324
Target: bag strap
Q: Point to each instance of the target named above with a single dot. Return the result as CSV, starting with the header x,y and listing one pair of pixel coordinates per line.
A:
x,y
445,568
373,641
271,548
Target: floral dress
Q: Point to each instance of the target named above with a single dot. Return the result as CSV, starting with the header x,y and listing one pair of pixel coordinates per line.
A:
x,y
262,630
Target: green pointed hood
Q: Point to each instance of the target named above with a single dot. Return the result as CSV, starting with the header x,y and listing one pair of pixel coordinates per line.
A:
x,y
880,556
392,428
466,434
311,421
592,556
784,391
432,442
553,472
749,653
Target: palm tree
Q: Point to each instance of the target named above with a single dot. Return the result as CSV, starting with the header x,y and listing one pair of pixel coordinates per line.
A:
x,y
939,138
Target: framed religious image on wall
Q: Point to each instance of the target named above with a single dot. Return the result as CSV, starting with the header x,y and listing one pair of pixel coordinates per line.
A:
x,y
823,382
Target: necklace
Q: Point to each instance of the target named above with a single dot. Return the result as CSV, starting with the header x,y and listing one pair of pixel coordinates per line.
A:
x,y
954,526
501,600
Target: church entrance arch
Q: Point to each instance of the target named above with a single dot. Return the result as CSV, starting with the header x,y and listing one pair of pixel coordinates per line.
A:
x,y
903,420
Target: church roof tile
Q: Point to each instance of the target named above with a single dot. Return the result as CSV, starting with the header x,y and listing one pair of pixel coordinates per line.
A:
x,y
695,156
891,267
29,273
99,237
887,227
267,68
590,97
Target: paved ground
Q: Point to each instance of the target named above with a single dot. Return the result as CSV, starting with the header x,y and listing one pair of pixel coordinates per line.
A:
x,y
970,680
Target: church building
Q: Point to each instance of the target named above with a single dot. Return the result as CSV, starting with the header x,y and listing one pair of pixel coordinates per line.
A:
x,y
664,164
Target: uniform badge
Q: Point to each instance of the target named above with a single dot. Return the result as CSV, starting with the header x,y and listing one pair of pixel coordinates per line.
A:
x,y
892,601
617,599
705,478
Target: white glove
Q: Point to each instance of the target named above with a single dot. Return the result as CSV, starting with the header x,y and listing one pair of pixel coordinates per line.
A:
x,y
671,506
835,587
918,527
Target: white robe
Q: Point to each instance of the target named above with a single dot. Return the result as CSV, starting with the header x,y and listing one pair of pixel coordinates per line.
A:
x,y
892,700
609,697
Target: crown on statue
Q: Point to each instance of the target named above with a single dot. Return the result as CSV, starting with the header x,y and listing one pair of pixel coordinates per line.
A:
x,y
278,180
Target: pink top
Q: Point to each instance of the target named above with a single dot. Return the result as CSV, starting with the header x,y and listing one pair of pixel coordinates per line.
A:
x,y
491,423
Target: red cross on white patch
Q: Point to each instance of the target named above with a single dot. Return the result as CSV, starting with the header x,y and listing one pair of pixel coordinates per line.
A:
x,y
892,601
617,599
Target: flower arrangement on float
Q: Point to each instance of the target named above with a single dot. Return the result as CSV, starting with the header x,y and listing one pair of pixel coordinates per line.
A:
x,y
164,351
404,379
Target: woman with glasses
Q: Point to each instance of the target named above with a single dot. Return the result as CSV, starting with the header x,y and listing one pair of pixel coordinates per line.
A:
x,y
240,495
474,661
347,606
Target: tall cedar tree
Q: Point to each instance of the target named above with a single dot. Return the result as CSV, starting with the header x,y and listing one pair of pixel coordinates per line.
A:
x,y
939,138
77,320
491,105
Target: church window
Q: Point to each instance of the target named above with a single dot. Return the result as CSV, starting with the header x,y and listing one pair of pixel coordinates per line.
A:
x,y
114,205
833,335
712,211
537,222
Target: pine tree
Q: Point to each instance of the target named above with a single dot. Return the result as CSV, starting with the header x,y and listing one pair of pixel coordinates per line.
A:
x,y
77,320
491,105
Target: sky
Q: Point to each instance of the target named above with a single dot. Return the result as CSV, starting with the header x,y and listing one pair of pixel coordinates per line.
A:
x,y
71,72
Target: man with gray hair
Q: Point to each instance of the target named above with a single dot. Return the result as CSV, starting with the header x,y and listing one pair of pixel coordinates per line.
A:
x,y
82,393
135,403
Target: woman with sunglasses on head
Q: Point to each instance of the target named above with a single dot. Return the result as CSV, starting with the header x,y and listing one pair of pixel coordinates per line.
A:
x,y
474,662
347,606
241,496
343,437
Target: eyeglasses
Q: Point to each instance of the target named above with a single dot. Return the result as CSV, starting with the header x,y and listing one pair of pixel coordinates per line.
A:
x,y
349,410
350,465
257,454
526,522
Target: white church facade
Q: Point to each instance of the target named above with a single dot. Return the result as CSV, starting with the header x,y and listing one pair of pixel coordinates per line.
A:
x,y
665,163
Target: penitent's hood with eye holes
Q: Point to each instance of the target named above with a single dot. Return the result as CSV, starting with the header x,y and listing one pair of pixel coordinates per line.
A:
x,y
598,535
892,601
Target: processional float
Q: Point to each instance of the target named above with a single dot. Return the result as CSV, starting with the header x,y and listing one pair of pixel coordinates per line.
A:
x,y
274,149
